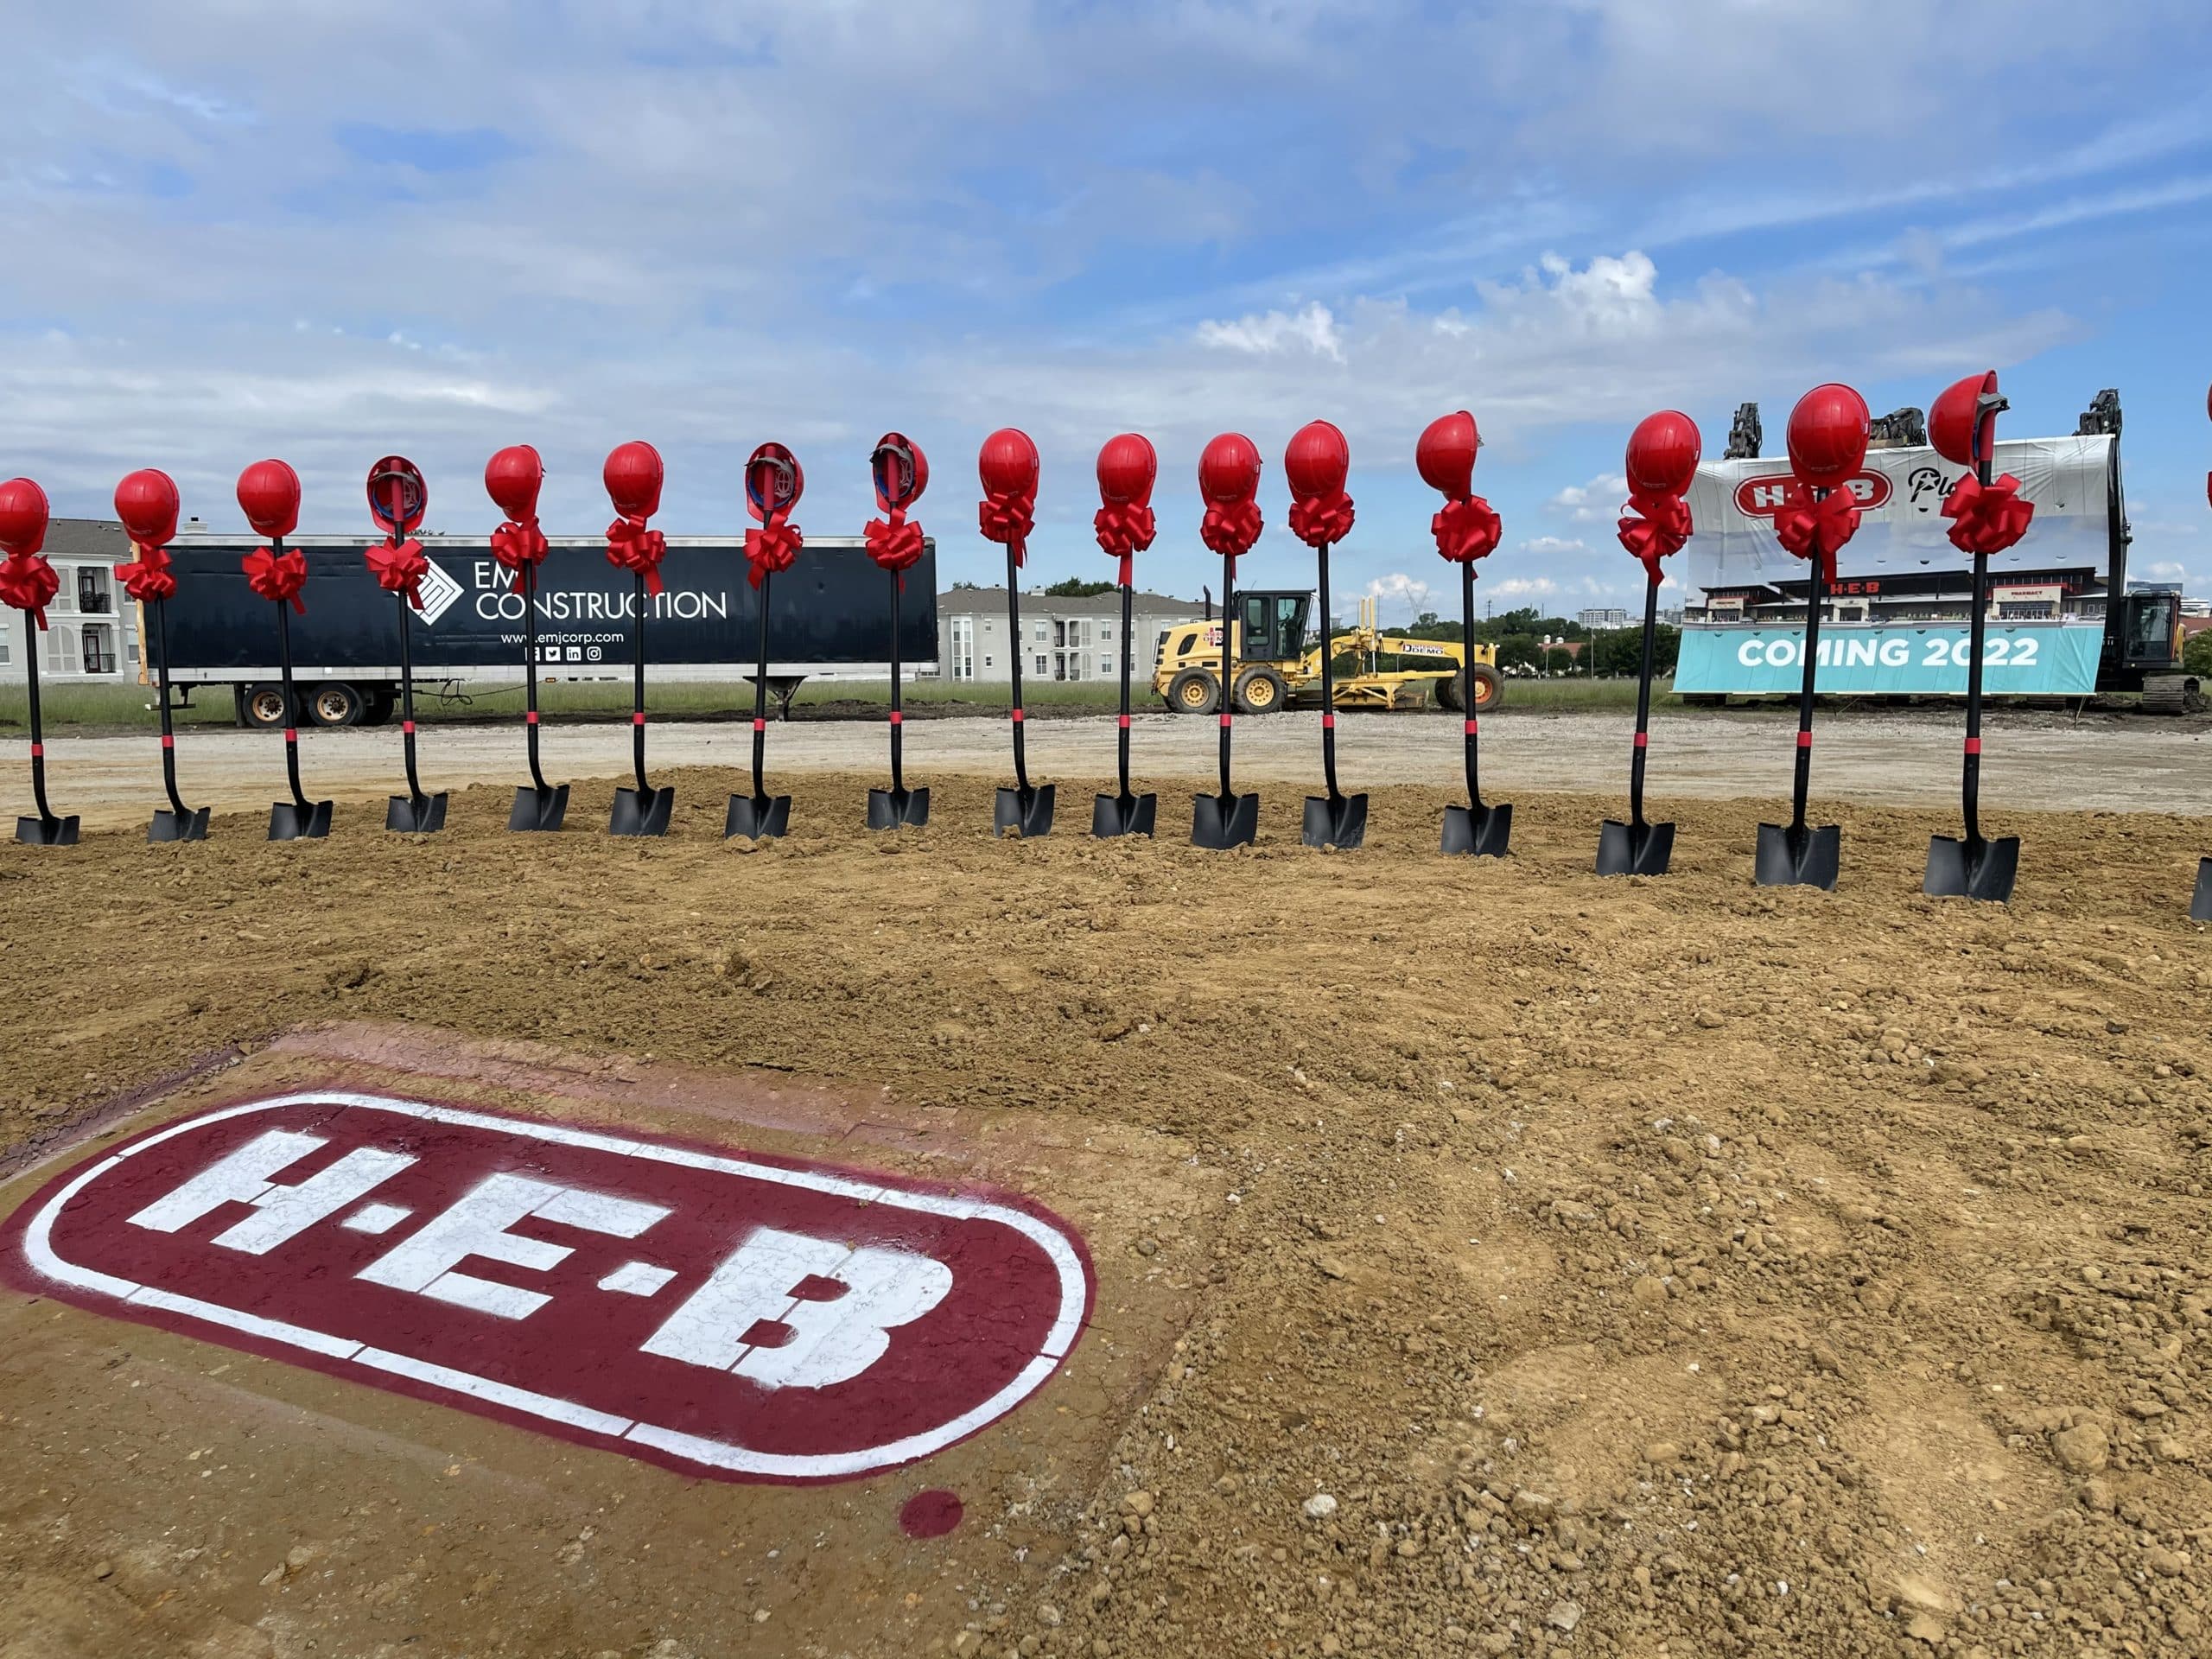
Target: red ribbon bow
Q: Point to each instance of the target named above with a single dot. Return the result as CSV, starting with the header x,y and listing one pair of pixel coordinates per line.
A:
x,y
1231,530
1124,530
278,576
1321,519
399,568
28,583
1807,527
1466,529
1986,518
1662,529
770,550
1007,517
895,543
147,577
518,546
631,546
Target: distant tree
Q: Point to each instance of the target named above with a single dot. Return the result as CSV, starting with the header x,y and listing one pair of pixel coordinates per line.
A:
x,y
1425,620
1076,587
1517,651
2196,654
959,586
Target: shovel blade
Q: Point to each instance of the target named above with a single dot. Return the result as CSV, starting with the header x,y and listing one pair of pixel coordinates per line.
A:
x,y
416,815
174,826
46,832
1123,814
889,809
1972,869
1792,855
1481,831
1634,849
1338,821
289,823
757,818
641,812
2200,906
538,808
1220,822
1025,812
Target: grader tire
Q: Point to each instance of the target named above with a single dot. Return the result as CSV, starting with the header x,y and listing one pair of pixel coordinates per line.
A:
x,y
1489,689
1261,691
1194,691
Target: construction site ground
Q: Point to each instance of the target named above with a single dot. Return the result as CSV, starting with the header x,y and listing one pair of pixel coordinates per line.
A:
x,y
1490,1258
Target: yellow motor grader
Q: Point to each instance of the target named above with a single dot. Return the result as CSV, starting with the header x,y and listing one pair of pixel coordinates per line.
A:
x,y
1276,666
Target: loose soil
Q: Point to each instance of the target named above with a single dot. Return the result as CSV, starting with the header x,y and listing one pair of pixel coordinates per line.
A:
x,y
1596,1268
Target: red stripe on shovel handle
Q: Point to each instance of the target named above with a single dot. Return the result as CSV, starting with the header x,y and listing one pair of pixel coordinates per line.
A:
x,y
38,751
531,717
291,734
897,717
1644,739
637,717
1473,725
758,724
1328,722
167,742
1974,745
1015,714
407,727
1224,716
1124,721
1804,739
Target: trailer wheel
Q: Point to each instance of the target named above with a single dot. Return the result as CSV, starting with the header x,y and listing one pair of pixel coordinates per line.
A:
x,y
377,707
335,704
1194,691
262,706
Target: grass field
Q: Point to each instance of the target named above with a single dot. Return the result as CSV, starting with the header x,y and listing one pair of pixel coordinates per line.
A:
x,y
125,707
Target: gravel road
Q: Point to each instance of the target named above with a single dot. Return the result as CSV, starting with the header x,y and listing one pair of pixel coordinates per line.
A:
x,y
1908,758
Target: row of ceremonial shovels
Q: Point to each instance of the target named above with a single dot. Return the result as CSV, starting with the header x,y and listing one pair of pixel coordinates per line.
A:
x,y
1828,438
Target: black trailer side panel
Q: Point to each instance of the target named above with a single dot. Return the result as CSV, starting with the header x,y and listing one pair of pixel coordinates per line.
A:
x,y
833,606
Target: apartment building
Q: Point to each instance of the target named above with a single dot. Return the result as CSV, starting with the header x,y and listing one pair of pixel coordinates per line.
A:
x,y
89,635
1063,638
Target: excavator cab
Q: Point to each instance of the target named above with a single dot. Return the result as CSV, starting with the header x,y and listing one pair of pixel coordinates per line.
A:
x,y
1271,625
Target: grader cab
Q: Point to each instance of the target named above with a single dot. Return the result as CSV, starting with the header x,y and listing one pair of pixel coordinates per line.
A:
x,y
1276,665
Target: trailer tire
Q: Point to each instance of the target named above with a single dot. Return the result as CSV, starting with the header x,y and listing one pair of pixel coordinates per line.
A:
x,y
1194,691
376,708
1261,691
336,703
262,707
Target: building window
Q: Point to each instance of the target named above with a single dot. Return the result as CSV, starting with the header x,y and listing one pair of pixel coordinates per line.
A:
x,y
1105,632
1042,635
1040,662
61,650
94,596
4,657
987,662
1105,664
99,653
963,647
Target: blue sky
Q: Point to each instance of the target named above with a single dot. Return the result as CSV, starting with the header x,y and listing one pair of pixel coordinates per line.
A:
x,y
330,233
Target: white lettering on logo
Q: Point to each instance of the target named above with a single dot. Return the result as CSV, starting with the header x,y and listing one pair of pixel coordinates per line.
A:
x,y
280,1212
758,1315
476,1224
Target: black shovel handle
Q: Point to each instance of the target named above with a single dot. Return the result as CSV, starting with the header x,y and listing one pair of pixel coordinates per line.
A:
x,y
1228,698
760,699
1977,627
530,671
407,696
1127,627
38,723
1014,713
898,715
1329,686
638,692
1467,667
284,670
168,728
1643,703
1802,782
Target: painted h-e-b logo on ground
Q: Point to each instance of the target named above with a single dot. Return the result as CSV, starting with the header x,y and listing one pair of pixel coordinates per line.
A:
x,y
719,1312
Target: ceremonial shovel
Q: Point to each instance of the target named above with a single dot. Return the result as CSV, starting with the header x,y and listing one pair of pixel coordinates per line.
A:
x,y
398,499
45,829
772,485
1482,831
1796,855
1971,867
1337,819
900,473
1639,847
1122,813
633,475
539,806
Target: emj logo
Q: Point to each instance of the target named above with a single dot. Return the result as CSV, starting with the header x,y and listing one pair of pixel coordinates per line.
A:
x,y
721,1312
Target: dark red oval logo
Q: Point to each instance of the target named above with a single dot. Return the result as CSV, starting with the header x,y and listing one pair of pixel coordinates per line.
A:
x,y
1761,497
724,1312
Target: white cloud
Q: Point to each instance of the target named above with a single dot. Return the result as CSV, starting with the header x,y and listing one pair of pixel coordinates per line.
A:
x,y
1402,596
1313,330
1600,498
1554,546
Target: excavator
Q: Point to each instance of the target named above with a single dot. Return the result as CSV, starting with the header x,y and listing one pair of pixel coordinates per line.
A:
x,y
1277,666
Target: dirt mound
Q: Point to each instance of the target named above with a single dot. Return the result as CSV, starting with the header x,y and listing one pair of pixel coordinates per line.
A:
x,y
1612,1268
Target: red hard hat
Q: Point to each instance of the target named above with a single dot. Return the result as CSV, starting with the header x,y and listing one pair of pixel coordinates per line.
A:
x,y
1127,467
1316,461
1228,470
23,513
900,470
1008,462
269,491
773,478
146,503
1445,454
512,479
1956,418
1829,431
633,475
397,496
1662,453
